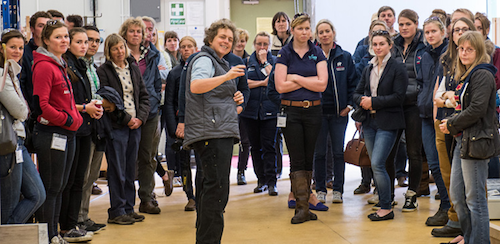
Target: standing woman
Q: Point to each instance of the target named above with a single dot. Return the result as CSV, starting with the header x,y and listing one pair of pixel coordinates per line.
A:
x,y
57,122
121,74
171,47
474,117
244,146
444,108
259,116
24,177
77,70
239,48
211,124
381,92
435,33
187,46
281,34
301,75
336,103
408,49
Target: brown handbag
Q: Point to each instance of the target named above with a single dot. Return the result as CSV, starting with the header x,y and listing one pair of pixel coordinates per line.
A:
x,y
355,152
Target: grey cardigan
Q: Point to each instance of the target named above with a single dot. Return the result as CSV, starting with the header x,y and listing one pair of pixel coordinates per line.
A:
x,y
212,114
14,101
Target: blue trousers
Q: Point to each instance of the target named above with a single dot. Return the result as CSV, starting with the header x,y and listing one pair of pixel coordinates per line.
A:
x,y
121,154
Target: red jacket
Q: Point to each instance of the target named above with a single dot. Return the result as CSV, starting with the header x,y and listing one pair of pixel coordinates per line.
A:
x,y
52,88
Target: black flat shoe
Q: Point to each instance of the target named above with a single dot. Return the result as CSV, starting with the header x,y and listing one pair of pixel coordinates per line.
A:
x,y
376,217
273,191
260,188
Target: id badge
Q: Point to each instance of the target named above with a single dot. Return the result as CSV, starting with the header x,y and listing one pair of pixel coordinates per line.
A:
x,y
19,155
263,70
59,142
281,120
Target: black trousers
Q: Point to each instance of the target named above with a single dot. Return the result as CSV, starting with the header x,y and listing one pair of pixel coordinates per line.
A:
x,y
215,156
301,132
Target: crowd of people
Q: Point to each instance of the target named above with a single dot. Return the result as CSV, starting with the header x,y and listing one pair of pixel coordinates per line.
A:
x,y
423,96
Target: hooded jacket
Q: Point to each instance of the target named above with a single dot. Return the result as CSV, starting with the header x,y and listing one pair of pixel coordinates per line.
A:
x,y
53,94
478,116
427,76
412,63
342,81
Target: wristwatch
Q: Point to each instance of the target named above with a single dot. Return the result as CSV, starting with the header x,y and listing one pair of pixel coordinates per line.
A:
x,y
265,64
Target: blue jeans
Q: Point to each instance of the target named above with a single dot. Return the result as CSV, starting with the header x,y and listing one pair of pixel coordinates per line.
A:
x,y
121,154
468,193
24,179
384,139
429,143
54,167
334,126
262,141
215,157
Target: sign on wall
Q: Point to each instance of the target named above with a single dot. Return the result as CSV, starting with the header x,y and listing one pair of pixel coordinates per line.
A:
x,y
188,18
177,13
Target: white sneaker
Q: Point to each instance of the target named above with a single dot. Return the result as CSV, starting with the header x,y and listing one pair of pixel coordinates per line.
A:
x,y
373,199
321,196
337,197
177,181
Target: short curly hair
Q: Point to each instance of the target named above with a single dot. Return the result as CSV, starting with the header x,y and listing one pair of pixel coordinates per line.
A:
x,y
132,21
211,32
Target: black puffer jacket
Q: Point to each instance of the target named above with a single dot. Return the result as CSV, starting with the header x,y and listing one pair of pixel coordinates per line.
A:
x,y
411,59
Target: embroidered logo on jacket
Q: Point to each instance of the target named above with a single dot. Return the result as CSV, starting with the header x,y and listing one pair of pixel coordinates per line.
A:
x,y
313,57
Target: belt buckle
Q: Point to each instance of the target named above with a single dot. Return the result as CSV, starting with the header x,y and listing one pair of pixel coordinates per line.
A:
x,y
308,103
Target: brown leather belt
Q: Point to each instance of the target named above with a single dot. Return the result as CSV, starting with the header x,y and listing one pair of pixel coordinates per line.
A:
x,y
302,104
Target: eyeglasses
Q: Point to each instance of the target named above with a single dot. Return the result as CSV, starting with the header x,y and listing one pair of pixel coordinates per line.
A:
x,y
300,14
380,33
458,30
262,44
96,41
467,50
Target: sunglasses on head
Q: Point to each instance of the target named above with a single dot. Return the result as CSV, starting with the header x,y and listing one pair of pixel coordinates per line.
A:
x,y
300,14
380,33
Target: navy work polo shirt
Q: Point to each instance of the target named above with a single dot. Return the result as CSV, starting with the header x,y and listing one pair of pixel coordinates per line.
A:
x,y
305,66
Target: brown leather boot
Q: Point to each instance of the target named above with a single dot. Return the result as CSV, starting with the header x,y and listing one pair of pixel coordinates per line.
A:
x,y
301,183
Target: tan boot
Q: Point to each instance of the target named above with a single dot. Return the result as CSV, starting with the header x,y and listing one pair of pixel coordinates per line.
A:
x,y
301,183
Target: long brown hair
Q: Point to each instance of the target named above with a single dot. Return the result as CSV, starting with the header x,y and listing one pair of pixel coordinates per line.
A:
x,y
9,34
72,76
449,57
